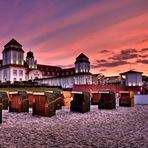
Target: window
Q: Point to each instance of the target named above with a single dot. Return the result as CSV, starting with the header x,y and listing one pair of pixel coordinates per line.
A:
x,y
140,84
20,72
14,72
5,74
20,79
129,84
14,57
14,79
134,84
20,58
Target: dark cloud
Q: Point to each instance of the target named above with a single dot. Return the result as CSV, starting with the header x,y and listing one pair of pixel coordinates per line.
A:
x,y
101,61
121,58
142,61
129,51
125,55
109,64
144,49
117,59
143,56
103,51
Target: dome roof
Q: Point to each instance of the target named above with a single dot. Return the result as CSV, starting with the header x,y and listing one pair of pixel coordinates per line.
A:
x,y
13,45
13,42
30,54
82,55
82,58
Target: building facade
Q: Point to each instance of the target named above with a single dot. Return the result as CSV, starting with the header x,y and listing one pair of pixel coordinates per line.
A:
x,y
131,78
13,68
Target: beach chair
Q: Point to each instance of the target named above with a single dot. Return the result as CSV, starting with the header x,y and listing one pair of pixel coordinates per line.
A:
x,y
18,102
80,102
107,100
44,104
1,107
126,98
95,97
31,98
67,98
5,100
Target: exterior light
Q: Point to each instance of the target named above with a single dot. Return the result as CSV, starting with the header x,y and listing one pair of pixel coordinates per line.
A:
x,y
129,84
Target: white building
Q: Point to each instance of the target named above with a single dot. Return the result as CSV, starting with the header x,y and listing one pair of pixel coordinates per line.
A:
x,y
68,77
12,63
13,68
132,78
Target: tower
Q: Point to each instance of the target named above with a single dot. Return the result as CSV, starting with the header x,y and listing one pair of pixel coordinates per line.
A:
x,y
32,63
13,62
13,53
82,64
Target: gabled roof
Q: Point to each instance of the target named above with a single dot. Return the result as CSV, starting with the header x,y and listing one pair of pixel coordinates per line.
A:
x,y
130,71
13,42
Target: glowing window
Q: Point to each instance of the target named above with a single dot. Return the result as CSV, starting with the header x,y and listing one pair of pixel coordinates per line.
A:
x,y
140,84
134,84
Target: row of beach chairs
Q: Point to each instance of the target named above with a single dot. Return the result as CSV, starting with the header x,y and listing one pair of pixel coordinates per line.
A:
x,y
46,103
104,100
126,98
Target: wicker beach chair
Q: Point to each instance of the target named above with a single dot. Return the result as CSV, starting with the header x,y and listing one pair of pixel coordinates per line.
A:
x,y
107,100
80,102
18,102
126,98
5,100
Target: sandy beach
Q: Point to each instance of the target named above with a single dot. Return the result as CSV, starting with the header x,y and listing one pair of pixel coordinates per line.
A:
x,y
123,127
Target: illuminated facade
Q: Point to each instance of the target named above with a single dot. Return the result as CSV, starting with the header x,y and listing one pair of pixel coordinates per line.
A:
x,y
80,74
13,68
12,65
132,78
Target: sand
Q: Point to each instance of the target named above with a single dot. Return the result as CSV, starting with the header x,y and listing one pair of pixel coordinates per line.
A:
x,y
123,128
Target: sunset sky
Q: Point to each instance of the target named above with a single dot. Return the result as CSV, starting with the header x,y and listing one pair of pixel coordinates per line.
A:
x,y
112,33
